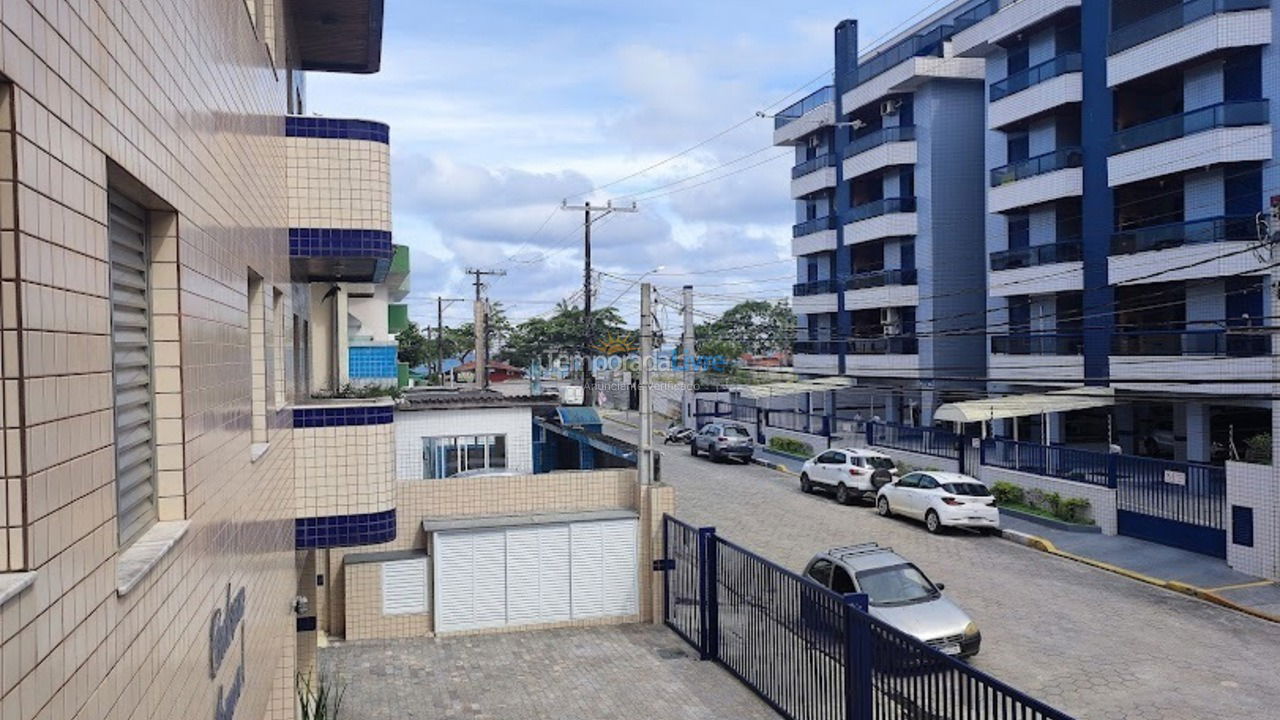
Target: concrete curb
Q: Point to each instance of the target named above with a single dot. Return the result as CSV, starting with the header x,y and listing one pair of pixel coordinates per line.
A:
x,y
1043,545
773,466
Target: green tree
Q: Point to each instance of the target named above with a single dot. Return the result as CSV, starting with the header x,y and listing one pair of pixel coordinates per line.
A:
x,y
413,346
758,327
559,334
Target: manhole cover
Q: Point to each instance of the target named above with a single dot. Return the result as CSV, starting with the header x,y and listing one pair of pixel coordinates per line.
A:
x,y
671,653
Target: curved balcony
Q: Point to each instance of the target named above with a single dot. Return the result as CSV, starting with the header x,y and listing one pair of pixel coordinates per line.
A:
x,y
1227,228
1036,74
1035,255
881,278
824,160
1222,115
1174,18
1060,159
808,227
883,206
814,287
1054,344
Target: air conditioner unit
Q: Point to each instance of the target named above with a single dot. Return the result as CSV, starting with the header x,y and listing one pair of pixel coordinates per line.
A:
x,y
890,107
890,321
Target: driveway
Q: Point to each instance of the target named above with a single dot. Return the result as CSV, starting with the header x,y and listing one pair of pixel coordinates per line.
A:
x,y
627,672
1090,643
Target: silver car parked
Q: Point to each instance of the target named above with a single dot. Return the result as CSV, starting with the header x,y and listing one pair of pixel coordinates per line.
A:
x,y
899,593
723,440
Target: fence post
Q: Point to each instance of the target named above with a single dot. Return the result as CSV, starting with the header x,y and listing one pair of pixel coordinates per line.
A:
x,y
1112,461
870,428
857,658
708,604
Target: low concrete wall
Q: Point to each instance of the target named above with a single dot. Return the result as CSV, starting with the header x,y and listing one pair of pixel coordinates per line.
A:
x,y
920,460
1102,500
1255,489
817,442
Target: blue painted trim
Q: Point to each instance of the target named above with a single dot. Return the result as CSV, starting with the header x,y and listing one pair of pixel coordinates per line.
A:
x,y
846,76
340,242
345,416
345,530
1098,203
336,129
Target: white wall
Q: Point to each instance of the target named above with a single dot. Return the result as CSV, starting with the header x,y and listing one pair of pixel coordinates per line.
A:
x,y
369,313
1102,500
1256,487
414,425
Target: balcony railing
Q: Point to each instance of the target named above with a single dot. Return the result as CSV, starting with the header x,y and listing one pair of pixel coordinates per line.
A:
x,y
882,207
1038,344
816,99
897,345
881,278
824,160
1222,115
1210,342
977,14
1060,159
1036,74
876,138
922,45
1166,21
818,347
815,287
1034,255
827,222
1228,228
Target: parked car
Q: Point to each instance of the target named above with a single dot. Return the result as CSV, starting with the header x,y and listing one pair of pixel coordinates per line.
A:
x,y
723,440
898,593
851,473
941,500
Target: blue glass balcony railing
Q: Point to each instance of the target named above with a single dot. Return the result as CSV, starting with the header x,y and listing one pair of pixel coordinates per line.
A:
x,y
922,45
1060,159
977,14
824,160
1214,342
1222,115
827,222
881,278
1035,255
876,138
814,100
882,207
1226,228
1055,343
1166,21
818,347
814,287
894,345
1036,74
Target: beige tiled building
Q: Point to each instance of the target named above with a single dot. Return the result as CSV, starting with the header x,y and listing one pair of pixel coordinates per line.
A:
x,y
157,261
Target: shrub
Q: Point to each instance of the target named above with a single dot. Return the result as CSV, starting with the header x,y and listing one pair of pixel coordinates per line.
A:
x,y
1074,510
1006,493
790,446
1257,449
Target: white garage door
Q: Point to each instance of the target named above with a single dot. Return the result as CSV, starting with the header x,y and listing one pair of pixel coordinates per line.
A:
x,y
537,574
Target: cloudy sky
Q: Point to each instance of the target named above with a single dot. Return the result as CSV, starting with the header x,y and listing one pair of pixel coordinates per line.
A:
x,y
499,110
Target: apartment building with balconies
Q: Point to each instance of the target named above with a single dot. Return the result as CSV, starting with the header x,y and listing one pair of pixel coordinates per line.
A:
x,y
1130,150
889,220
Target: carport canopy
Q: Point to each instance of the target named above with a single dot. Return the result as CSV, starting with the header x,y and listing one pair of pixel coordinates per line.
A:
x,y
1012,406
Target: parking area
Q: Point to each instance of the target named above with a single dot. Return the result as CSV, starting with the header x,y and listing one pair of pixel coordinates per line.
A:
x,y
1093,644
628,672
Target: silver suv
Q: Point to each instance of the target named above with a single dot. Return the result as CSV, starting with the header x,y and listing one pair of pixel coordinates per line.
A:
x,y
899,594
722,440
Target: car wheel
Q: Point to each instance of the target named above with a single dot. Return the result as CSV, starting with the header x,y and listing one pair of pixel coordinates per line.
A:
x,y
806,485
932,523
882,507
842,495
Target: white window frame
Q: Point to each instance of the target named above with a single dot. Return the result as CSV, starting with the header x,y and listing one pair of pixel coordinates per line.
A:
x,y
432,468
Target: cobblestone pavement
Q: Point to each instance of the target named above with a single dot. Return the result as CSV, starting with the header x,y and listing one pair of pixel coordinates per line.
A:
x,y
627,672
1090,643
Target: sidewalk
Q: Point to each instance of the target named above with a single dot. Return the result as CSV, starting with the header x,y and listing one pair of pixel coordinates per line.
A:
x,y
1192,573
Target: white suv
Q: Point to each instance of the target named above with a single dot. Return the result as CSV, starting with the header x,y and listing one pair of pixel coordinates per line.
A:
x,y
851,473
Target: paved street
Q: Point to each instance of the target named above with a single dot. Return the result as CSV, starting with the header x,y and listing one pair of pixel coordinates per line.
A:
x,y
1093,644
632,672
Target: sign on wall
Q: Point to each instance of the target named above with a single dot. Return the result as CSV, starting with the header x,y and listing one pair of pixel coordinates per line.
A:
x,y
224,625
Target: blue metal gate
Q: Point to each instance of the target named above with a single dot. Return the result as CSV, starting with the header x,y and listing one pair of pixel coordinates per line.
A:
x,y
1182,505
810,653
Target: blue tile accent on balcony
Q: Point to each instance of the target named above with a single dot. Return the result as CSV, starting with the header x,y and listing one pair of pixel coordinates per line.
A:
x,y
342,416
340,242
345,530
336,128
372,362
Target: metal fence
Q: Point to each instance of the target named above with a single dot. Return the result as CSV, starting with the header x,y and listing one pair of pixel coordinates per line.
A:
x,y
926,441
811,653
1055,461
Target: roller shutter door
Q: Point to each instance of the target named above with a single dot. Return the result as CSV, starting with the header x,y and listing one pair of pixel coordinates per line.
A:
x,y
131,366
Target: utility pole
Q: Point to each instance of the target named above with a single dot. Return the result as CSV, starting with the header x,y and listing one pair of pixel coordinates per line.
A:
x,y
646,367
588,386
688,397
481,311
441,304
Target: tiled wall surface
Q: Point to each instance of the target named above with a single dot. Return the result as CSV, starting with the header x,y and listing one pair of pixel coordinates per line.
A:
x,y
174,104
364,608
344,459
339,183
1255,489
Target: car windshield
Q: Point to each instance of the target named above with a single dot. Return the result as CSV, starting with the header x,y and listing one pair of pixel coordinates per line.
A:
x,y
879,463
969,489
896,585
735,431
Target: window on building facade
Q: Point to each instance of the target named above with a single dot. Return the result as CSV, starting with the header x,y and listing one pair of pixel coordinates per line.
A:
x,y
131,365
258,355
278,336
447,456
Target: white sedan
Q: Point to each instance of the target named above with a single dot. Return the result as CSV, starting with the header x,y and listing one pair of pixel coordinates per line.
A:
x,y
940,499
